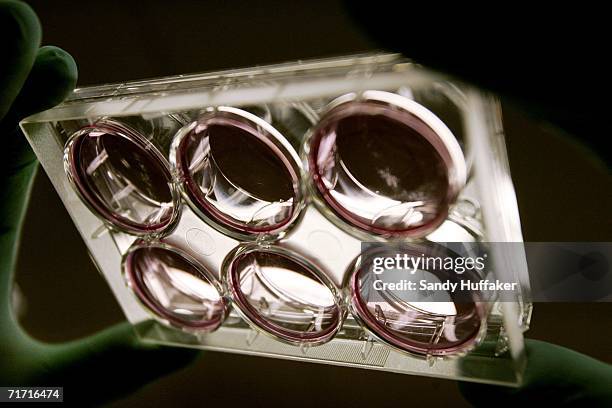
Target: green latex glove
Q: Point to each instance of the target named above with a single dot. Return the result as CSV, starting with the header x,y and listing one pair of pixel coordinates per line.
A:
x,y
112,363
95,369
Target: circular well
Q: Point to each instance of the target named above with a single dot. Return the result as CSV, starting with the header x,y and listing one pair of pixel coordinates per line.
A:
x,y
282,294
121,177
385,164
175,287
420,322
239,172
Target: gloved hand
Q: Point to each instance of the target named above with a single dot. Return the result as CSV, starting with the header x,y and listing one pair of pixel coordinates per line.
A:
x,y
113,363
108,364
542,71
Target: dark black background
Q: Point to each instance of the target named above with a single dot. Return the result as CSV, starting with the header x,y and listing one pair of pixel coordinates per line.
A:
x,y
563,196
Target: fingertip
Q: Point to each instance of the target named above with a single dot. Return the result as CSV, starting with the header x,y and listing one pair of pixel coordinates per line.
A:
x,y
52,78
58,68
60,60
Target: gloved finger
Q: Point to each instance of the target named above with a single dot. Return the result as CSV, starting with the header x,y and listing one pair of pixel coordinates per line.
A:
x,y
555,376
114,362
107,365
20,38
51,79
